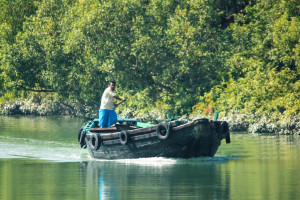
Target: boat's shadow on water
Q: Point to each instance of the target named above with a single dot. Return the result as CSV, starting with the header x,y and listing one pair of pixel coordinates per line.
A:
x,y
156,178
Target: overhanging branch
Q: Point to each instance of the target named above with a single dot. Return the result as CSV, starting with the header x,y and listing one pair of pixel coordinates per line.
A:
x,y
40,90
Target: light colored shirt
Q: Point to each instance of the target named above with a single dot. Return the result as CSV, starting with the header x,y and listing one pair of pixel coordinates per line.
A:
x,y
107,100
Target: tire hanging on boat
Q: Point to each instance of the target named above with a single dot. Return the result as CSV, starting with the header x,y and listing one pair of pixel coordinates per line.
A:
x,y
220,129
80,131
82,137
226,131
124,137
95,141
163,131
223,131
201,120
79,134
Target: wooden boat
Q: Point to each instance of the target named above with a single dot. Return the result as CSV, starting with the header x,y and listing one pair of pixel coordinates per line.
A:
x,y
173,139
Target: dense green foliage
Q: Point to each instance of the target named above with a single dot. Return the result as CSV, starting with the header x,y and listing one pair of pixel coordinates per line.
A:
x,y
170,56
263,68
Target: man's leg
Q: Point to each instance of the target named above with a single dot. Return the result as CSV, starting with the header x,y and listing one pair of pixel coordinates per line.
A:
x,y
113,118
103,118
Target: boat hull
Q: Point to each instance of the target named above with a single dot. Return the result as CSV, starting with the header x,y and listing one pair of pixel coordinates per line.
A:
x,y
193,139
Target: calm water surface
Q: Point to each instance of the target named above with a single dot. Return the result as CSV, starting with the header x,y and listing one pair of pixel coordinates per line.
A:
x,y
41,159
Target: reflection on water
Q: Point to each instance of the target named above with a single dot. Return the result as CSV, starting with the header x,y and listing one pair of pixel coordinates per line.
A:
x,y
22,179
40,159
57,129
158,178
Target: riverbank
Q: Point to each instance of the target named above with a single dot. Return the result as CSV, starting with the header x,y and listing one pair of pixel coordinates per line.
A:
x,y
253,124
237,122
44,108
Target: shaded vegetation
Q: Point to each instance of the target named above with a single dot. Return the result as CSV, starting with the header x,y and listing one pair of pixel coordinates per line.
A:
x,y
187,58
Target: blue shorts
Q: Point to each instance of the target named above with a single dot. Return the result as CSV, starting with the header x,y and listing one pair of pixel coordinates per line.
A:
x,y
107,118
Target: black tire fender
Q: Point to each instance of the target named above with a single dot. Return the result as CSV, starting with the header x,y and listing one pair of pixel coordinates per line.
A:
x,y
124,137
201,120
163,131
79,134
220,130
82,139
95,141
226,131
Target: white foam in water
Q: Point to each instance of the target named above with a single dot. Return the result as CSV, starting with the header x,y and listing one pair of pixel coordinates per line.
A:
x,y
157,161
160,161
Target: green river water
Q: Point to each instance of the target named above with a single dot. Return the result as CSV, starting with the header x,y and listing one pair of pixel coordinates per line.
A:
x,y
41,159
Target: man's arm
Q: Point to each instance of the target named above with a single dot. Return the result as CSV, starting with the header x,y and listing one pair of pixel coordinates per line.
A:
x,y
117,97
121,101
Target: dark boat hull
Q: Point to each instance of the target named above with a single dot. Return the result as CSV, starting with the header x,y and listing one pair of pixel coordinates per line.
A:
x,y
193,139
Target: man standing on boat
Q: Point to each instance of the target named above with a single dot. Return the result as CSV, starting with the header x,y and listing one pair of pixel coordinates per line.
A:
x,y
107,114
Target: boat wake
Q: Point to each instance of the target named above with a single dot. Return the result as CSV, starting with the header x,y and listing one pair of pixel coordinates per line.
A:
x,y
43,150
160,161
63,152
